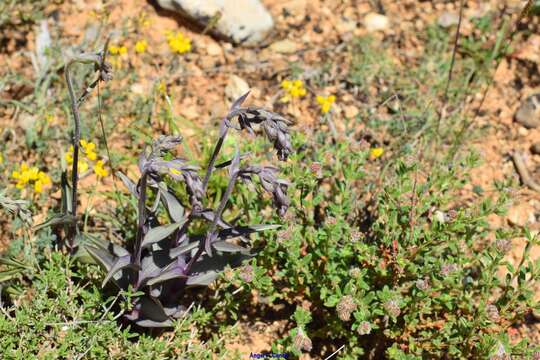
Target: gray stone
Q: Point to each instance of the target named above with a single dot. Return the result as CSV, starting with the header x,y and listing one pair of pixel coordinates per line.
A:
x,y
241,21
528,113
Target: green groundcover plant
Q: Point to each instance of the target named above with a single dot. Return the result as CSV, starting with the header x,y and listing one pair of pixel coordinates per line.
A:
x,y
404,274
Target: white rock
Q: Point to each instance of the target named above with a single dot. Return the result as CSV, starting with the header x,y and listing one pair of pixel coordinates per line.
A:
x,y
236,87
376,22
448,19
241,21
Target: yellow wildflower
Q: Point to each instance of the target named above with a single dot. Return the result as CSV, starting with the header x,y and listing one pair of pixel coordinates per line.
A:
x,y
1,159
44,178
38,186
26,175
140,46
178,42
175,171
89,150
293,88
92,156
376,153
69,155
162,88
82,166
326,103
49,118
116,61
88,154
88,146
99,169
117,50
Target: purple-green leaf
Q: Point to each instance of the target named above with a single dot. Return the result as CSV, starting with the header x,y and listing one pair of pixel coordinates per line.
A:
x,y
228,247
119,264
159,233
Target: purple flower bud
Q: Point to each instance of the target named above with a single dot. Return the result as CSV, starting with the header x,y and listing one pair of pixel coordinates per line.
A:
x,y
246,273
302,342
447,269
503,245
392,307
422,284
364,328
345,307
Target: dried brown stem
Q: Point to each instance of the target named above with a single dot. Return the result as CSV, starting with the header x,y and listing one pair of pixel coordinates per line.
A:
x,y
523,172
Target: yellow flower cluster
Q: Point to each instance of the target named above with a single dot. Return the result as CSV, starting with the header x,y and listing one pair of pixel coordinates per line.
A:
x,y
376,153
293,88
99,169
178,42
140,46
117,50
88,149
28,175
326,103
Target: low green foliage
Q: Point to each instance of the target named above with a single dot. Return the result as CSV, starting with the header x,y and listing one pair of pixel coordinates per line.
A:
x,y
405,274
65,315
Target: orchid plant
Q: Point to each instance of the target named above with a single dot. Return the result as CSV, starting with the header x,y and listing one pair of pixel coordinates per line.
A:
x,y
165,259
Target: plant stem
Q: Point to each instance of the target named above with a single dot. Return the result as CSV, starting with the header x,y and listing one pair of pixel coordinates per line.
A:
x,y
89,205
223,130
75,142
217,216
142,217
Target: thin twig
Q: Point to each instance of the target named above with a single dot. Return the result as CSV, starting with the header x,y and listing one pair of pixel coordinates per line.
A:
x,y
523,172
452,63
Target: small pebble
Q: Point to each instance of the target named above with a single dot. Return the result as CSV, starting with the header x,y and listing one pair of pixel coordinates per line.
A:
x,y
528,113
284,47
448,19
376,22
535,149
